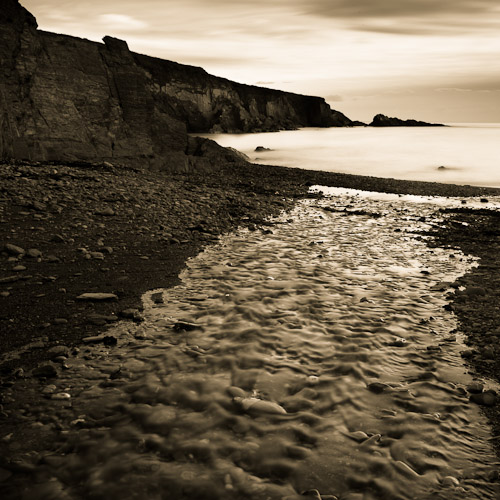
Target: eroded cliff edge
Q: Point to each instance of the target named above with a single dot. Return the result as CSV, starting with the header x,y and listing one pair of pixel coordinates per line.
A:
x,y
63,98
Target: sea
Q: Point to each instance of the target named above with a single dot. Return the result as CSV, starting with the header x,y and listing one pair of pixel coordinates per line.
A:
x,y
460,153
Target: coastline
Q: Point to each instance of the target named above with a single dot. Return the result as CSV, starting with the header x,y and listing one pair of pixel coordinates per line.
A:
x,y
105,229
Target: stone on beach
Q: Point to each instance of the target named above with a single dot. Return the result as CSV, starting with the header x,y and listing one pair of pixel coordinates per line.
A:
x,y
14,249
97,296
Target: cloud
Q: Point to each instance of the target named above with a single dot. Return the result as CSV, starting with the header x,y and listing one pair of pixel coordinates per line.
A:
x,y
415,17
122,21
398,8
334,98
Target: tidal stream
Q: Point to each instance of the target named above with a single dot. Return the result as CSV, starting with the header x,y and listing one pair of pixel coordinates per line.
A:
x,y
312,354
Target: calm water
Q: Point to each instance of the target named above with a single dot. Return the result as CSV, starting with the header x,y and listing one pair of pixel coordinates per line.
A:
x,y
470,153
314,353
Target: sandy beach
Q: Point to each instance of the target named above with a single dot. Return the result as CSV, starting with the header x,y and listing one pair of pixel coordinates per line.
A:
x,y
81,243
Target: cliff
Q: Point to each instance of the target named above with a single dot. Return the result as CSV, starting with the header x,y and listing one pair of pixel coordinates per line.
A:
x,y
65,98
386,121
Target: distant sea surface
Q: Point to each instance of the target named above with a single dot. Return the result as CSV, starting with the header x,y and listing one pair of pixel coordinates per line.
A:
x,y
469,152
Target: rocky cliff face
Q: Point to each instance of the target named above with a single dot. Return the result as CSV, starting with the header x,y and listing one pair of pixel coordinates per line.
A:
x,y
65,98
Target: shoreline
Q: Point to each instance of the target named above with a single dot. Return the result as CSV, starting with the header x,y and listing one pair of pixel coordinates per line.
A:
x,y
96,228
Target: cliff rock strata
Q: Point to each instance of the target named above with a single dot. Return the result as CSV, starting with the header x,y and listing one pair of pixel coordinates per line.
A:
x,y
65,98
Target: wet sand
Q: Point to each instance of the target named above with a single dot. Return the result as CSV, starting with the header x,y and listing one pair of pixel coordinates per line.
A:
x,y
101,229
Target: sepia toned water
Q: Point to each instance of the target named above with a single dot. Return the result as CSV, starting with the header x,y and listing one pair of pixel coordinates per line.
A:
x,y
467,153
314,354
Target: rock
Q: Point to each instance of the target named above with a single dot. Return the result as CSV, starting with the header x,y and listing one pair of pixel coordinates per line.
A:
x,y
157,298
450,481
133,314
33,253
475,291
186,326
108,211
260,149
44,371
255,405
57,238
400,342
385,121
378,387
104,339
9,279
60,321
14,249
97,255
52,259
58,350
96,296
61,396
486,398
19,268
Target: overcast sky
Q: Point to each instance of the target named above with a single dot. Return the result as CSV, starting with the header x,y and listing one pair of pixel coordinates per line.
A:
x,y
435,60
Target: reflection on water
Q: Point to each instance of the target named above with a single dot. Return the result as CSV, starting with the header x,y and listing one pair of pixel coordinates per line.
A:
x,y
465,154
314,355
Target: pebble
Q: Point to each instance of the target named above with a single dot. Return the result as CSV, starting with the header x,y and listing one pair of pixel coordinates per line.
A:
x,y
44,371
33,253
378,387
58,350
97,255
133,314
57,238
486,398
108,211
60,321
97,296
475,387
255,405
14,249
19,268
105,339
61,396
450,481
400,342
186,326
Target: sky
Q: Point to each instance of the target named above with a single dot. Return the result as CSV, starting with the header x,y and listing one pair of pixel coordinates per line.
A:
x,y
432,60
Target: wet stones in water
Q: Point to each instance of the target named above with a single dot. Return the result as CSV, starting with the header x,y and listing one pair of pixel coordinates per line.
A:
x,y
486,398
378,387
133,314
186,326
157,298
399,342
259,406
109,340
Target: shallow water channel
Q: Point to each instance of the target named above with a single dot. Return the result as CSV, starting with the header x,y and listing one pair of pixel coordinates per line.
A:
x,y
312,355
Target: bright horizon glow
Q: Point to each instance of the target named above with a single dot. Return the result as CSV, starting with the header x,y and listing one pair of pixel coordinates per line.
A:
x,y
433,60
